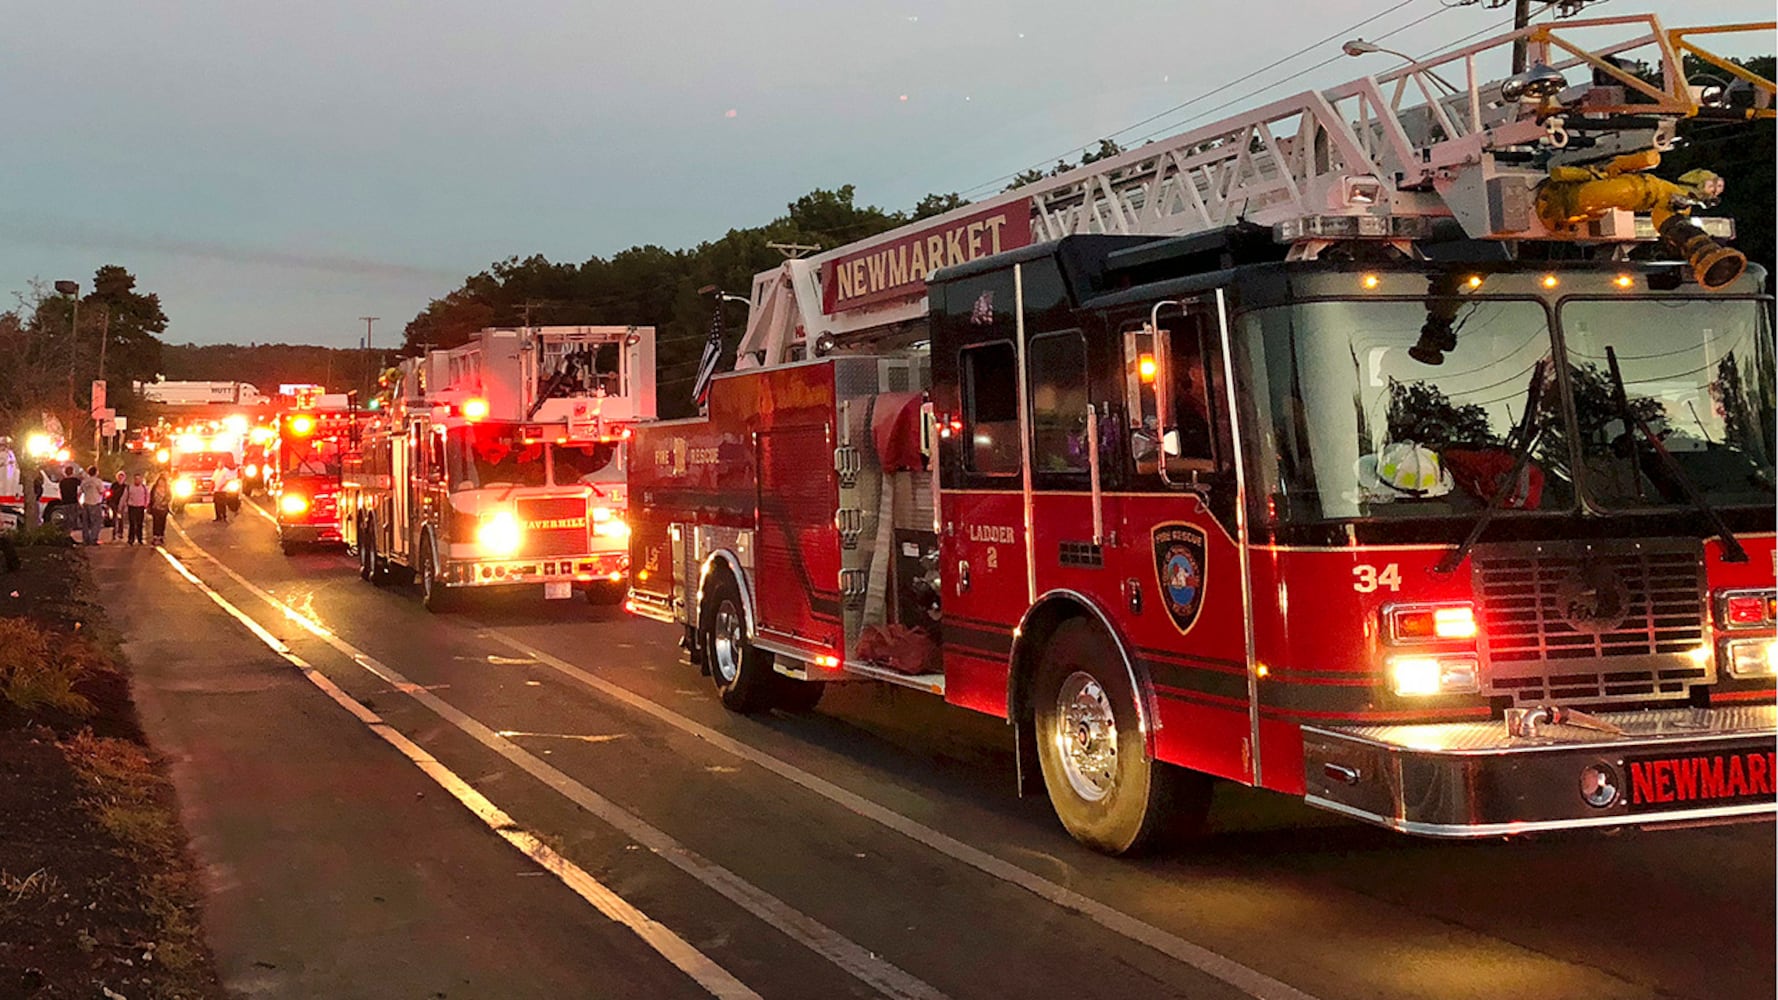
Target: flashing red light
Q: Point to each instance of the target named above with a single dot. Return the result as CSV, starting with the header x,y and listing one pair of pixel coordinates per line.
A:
x,y
1744,610
1421,624
302,425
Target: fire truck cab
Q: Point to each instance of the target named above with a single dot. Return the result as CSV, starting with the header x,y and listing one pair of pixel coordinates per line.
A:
x,y
499,464
1448,535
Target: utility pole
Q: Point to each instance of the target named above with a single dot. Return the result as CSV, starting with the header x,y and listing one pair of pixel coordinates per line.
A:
x,y
368,320
1521,20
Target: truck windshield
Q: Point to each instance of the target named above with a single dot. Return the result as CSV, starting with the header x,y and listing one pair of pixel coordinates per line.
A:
x,y
1358,420
311,457
1698,373
480,456
588,463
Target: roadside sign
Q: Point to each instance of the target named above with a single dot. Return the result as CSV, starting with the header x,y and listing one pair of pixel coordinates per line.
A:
x,y
121,423
98,396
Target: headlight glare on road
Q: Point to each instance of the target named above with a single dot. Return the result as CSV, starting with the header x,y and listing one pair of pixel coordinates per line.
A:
x,y
499,534
184,487
293,503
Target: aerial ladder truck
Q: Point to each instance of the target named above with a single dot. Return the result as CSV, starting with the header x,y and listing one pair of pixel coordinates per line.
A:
x,y
1406,447
499,464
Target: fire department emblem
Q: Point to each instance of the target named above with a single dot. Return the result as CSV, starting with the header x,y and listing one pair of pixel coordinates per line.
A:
x,y
1179,568
1592,599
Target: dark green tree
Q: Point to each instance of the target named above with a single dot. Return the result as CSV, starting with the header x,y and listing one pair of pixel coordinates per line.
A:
x,y
1421,412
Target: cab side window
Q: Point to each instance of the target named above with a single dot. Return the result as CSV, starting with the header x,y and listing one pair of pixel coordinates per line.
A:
x,y
990,409
1057,375
1180,366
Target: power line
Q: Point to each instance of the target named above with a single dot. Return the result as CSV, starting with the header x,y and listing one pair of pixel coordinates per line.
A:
x,y
1329,61
1344,33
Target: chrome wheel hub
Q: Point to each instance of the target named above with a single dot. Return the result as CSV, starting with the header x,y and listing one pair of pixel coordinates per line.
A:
x,y
725,643
1086,737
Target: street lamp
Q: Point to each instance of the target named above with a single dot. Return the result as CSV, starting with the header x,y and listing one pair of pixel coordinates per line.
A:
x,y
1360,47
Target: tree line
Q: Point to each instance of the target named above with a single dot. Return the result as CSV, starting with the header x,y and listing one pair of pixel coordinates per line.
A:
x,y
50,347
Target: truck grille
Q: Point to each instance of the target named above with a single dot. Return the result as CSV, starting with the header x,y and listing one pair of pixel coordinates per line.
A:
x,y
1602,622
554,526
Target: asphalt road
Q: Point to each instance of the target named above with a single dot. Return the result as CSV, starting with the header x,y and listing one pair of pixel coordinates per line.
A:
x,y
876,846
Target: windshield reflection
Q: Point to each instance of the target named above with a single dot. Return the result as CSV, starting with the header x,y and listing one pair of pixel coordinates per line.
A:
x,y
1356,423
1699,374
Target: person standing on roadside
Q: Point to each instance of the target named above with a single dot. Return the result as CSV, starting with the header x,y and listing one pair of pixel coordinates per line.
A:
x,y
160,501
114,499
91,492
219,491
135,504
69,485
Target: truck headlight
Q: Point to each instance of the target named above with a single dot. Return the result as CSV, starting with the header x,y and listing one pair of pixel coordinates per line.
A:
x,y
611,528
1753,658
1426,676
183,488
499,534
232,486
293,503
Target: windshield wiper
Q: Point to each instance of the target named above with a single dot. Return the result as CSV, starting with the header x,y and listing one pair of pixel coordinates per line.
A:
x,y
1732,550
1528,433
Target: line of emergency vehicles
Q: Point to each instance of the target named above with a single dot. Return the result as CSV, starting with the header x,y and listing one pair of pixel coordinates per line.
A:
x,y
1352,448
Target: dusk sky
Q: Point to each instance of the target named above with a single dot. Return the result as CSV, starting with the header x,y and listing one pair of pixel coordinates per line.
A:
x,y
275,171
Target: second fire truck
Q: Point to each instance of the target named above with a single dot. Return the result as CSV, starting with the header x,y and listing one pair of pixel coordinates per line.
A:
x,y
1347,448
499,464
305,462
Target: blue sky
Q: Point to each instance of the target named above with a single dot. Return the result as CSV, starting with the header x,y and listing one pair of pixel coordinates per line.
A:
x,y
275,171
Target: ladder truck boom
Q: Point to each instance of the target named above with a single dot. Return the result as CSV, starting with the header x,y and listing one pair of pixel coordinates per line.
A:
x,y
1380,158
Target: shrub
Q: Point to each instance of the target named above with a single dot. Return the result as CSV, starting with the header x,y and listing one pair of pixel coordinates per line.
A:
x,y
38,669
43,534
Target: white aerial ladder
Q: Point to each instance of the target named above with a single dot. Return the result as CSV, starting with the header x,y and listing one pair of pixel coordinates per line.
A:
x,y
1559,152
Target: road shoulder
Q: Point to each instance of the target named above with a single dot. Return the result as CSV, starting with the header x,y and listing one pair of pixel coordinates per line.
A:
x,y
333,867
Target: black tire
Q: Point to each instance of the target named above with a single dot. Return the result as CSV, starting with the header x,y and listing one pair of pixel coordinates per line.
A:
x,y
367,552
1105,791
61,515
437,598
799,696
742,674
604,593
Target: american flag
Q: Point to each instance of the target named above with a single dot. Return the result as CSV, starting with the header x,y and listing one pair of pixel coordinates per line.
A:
x,y
700,389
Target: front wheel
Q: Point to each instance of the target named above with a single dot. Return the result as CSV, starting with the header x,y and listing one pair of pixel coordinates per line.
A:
x,y
1108,794
604,593
433,593
743,674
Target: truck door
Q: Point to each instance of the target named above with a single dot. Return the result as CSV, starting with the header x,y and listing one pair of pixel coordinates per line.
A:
x,y
401,474
1172,560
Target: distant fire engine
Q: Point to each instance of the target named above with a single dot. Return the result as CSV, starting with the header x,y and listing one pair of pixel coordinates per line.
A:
x,y
1346,448
305,464
499,463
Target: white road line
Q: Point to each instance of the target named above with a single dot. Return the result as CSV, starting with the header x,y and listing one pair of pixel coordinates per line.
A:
x,y
712,977
257,509
844,953
1250,981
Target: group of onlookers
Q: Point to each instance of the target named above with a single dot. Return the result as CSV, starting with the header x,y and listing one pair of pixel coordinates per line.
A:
x,y
132,503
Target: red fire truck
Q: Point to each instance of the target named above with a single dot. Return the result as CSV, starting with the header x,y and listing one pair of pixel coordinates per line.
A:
x,y
311,443
1353,448
499,464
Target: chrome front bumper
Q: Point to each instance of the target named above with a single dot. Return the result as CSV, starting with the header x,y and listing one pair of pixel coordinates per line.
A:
x,y
1474,779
